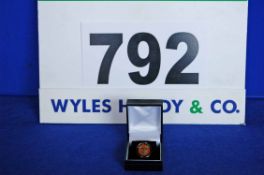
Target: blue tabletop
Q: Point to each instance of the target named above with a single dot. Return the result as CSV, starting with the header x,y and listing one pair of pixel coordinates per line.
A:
x,y
27,147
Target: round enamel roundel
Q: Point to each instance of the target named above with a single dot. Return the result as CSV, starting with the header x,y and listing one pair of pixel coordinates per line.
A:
x,y
143,149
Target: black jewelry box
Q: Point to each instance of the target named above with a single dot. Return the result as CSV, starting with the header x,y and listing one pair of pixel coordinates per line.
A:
x,y
144,130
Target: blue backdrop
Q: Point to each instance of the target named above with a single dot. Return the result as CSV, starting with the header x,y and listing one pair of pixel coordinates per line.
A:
x,y
19,48
29,148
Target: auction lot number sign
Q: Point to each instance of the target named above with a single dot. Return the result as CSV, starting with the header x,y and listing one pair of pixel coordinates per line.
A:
x,y
96,54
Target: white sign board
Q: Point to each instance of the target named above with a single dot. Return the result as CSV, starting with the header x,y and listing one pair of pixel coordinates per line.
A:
x,y
96,54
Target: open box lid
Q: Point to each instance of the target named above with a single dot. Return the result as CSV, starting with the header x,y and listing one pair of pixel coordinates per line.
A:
x,y
144,120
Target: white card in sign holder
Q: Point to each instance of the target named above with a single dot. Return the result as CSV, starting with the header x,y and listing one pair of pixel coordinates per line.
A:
x,y
96,54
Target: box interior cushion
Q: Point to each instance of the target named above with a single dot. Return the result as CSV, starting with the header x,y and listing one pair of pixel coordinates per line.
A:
x,y
144,123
